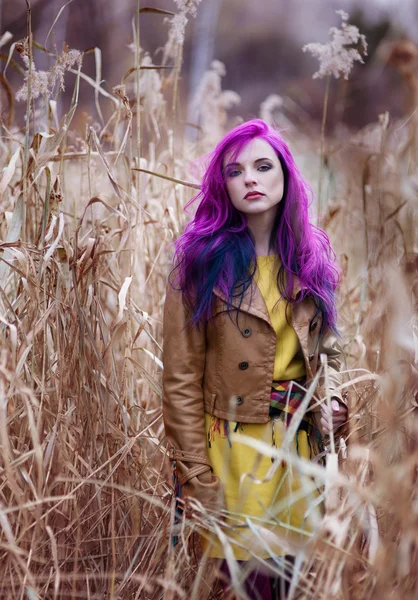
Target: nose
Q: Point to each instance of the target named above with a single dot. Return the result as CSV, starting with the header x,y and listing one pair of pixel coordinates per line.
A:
x,y
250,178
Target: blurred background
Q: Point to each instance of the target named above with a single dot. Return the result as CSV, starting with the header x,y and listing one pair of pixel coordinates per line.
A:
x,y
260,43
88,213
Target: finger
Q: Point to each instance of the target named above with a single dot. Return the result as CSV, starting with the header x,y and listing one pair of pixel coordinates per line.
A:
x,y
337,421
342,412
335,405
325,427
325,412
339,418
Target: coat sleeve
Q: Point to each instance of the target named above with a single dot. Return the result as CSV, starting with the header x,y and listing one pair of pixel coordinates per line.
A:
x,y
335,360
184,354
331,348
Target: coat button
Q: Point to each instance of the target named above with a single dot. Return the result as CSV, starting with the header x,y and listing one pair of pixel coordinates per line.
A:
x,y
247,332
243,365
311,357
239,400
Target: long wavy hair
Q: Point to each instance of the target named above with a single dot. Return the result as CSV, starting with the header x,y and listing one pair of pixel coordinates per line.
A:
x,y
218,249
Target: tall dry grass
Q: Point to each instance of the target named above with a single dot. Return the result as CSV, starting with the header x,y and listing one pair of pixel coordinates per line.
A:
x,y
86,500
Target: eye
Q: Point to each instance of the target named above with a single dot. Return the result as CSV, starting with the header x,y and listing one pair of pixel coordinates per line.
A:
x,y
233,173
265,167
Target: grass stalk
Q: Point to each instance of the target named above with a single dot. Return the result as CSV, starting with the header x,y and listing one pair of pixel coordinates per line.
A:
x,y
86,498
322,144
28,117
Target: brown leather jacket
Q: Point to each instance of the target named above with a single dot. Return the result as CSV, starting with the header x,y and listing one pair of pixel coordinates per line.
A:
x,y
226,370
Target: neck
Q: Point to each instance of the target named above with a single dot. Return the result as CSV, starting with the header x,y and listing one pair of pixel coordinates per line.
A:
x,y
261,226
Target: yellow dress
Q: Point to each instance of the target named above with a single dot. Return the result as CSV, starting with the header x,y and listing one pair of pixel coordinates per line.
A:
x,y
268,503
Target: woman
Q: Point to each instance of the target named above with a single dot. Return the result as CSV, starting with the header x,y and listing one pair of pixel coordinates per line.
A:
x,y
250,308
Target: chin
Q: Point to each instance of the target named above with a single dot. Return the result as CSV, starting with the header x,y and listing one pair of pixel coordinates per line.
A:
x,y
255,210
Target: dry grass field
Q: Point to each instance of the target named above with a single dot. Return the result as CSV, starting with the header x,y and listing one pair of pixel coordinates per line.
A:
x,y
87,217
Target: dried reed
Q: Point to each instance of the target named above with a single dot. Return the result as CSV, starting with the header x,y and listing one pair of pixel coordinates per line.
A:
x,y
86,501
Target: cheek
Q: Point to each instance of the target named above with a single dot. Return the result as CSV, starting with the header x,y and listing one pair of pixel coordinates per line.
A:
x,y
231,188
278,184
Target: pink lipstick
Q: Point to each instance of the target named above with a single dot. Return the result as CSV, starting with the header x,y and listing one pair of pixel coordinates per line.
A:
x,y
253,195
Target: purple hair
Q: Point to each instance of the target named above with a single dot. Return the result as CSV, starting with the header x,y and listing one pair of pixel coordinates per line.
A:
x,y
217,248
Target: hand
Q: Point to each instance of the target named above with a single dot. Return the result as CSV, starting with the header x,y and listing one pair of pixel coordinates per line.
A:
x,y
339,416
207,489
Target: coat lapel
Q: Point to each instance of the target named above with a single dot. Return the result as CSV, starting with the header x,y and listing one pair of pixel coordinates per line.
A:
x,y
253,301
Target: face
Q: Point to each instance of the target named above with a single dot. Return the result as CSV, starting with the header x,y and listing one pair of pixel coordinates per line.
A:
x,y
254,179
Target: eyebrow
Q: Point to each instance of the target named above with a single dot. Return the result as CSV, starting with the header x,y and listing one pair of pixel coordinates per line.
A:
x,y
236,164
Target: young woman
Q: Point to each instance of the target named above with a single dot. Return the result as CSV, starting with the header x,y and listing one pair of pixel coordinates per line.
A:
x,y
250,308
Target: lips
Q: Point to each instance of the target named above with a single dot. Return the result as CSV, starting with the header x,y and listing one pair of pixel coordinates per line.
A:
x,y
253,195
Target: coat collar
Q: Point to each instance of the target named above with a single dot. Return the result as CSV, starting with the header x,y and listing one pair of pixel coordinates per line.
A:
x,y
253,301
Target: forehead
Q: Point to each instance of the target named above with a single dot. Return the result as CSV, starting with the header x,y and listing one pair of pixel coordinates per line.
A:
x,y
256,148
